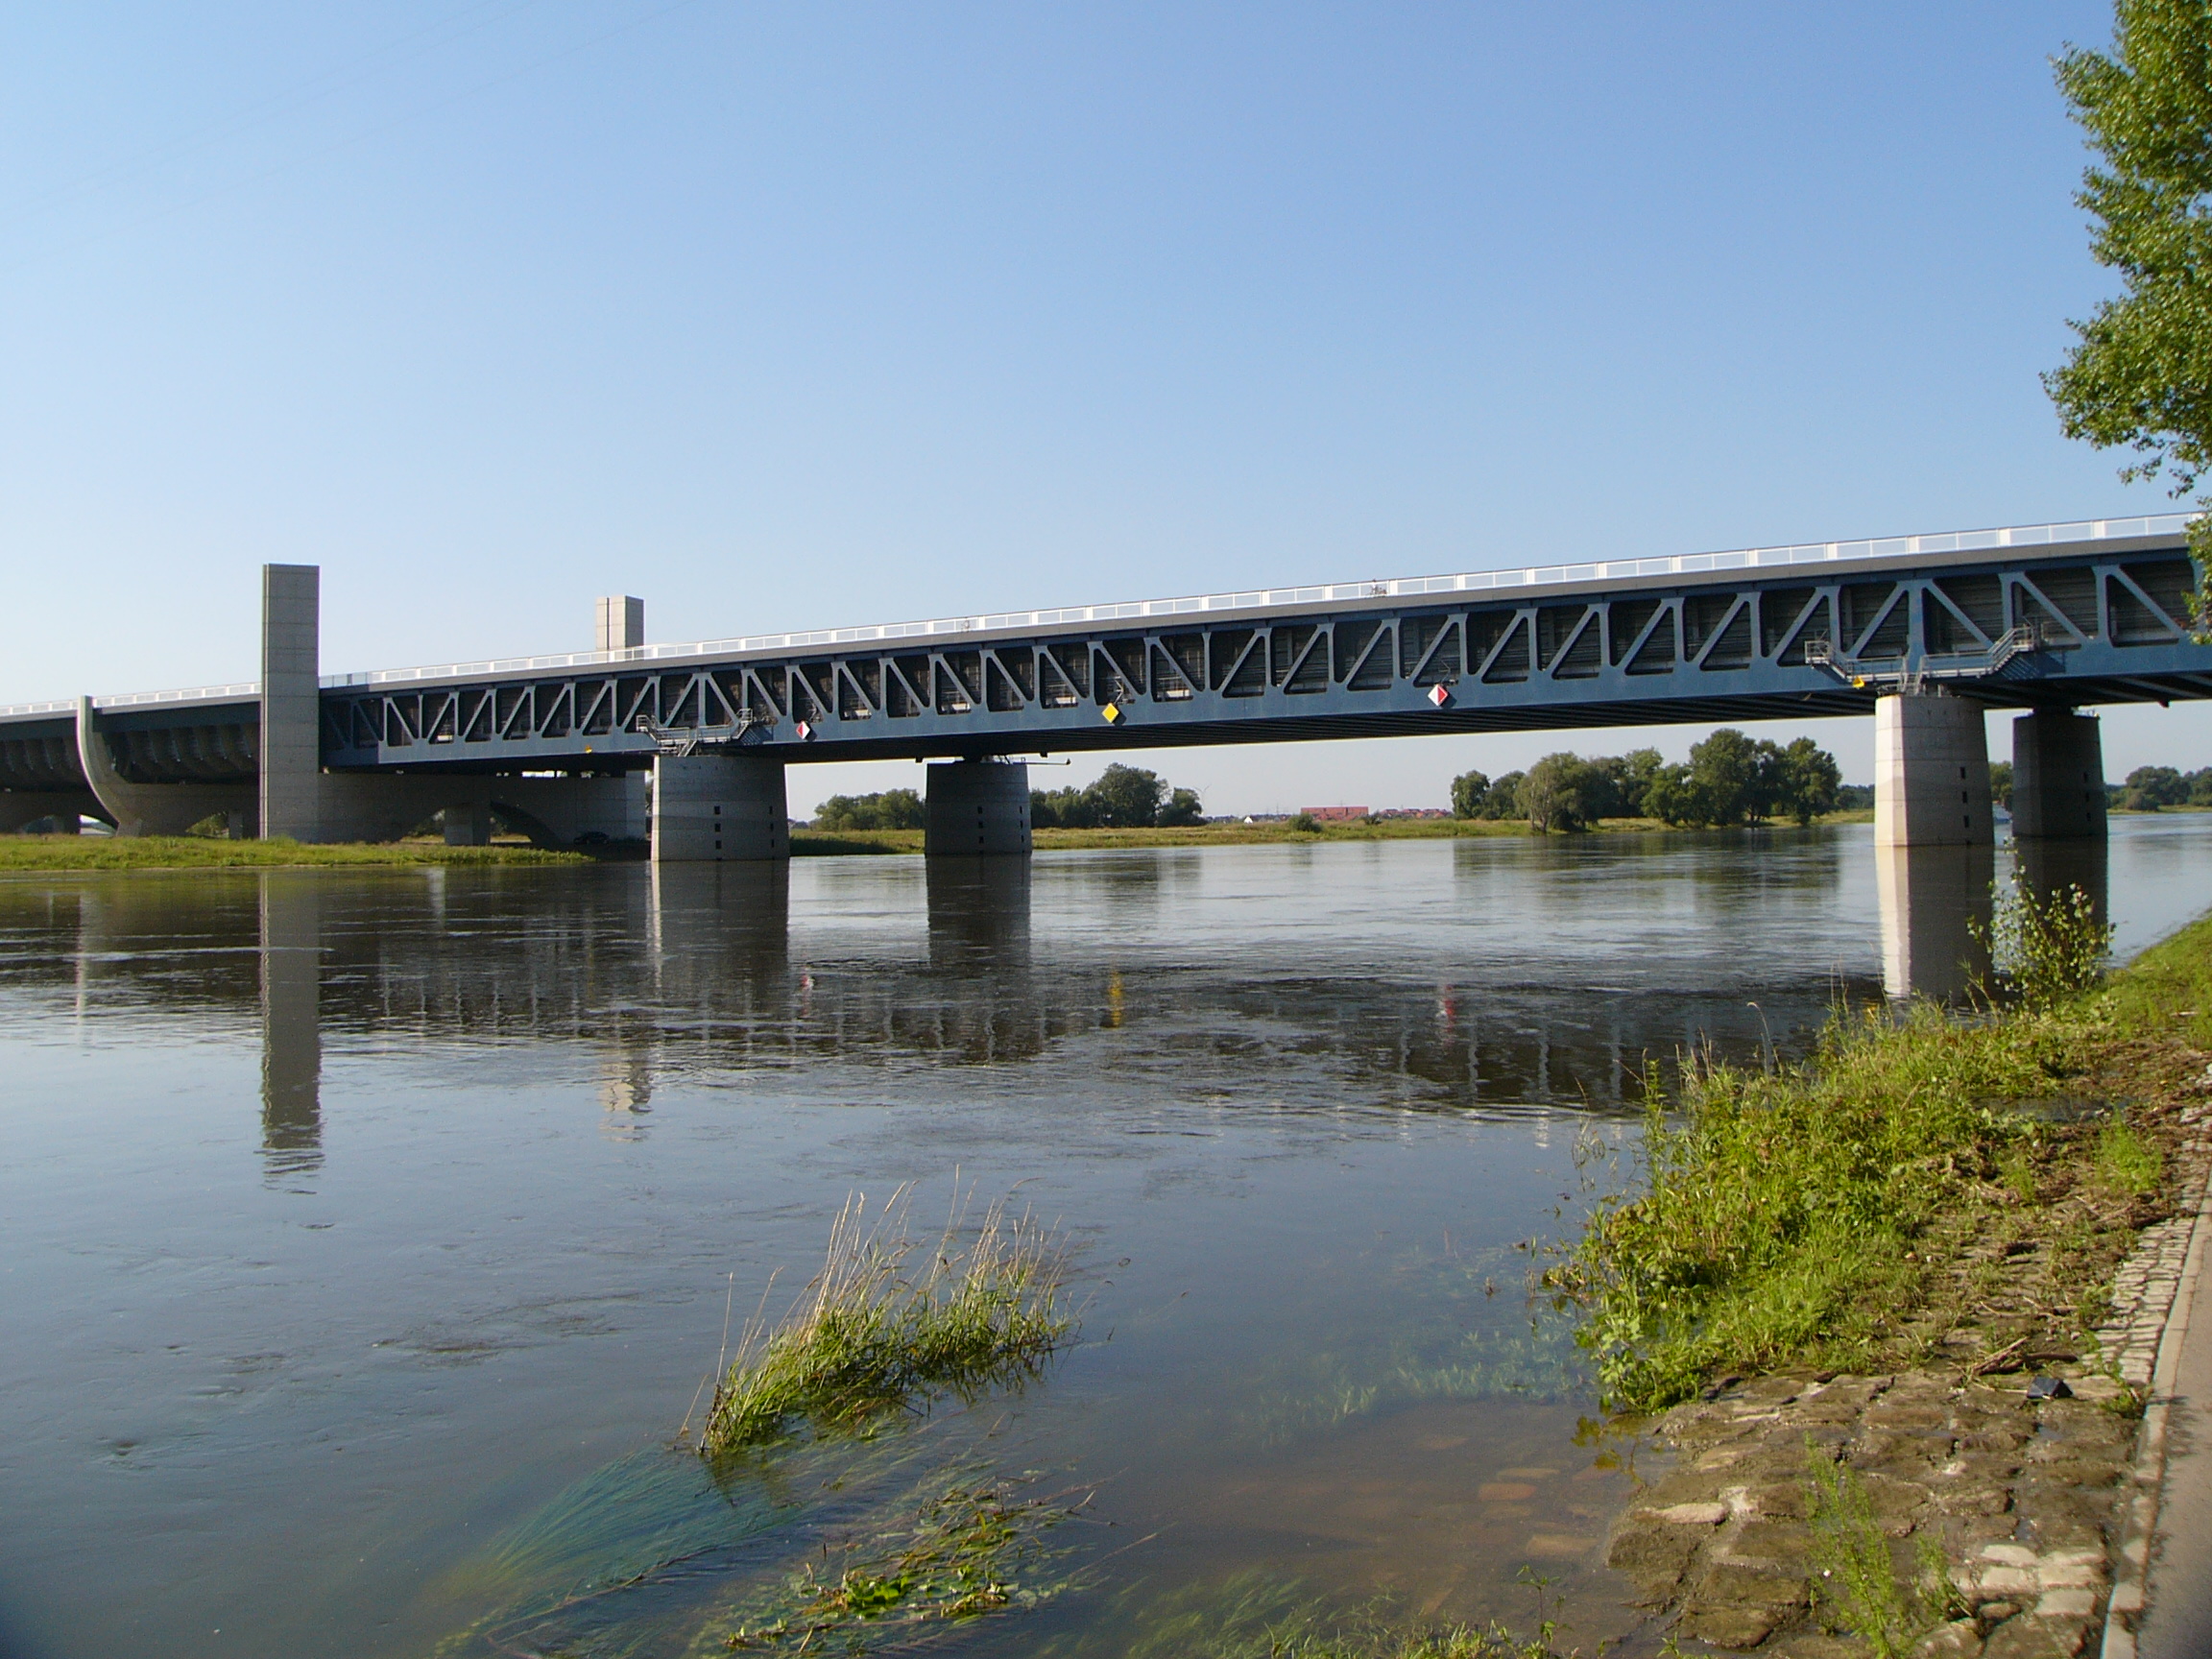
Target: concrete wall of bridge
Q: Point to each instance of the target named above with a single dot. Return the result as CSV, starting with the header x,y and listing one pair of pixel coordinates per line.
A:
x,y
19,808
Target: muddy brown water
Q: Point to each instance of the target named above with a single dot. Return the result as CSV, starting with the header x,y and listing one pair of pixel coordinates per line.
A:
x,y
368,1233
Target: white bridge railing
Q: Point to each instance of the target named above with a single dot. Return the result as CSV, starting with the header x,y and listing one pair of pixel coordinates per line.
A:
x,y
1262,598
1255,599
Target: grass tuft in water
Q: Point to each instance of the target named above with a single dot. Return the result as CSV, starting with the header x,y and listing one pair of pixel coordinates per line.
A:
x,y
875,1336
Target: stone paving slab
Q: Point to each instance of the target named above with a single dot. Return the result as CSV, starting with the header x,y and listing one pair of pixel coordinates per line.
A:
x,y
2017,1492
2036,1505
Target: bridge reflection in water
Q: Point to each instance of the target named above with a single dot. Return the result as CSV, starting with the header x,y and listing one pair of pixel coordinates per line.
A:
x,y
1496,982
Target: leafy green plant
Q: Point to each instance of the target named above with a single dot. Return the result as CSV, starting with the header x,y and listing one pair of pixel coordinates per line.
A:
x,y
2047,946
2138,378
874,1335
1856,1578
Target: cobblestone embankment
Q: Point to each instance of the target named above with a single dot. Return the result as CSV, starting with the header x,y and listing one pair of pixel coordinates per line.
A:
x,y
2033,1500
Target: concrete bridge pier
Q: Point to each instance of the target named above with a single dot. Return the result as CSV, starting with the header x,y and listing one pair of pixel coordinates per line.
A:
x,y
469,825
2058,775
1930,772
978,806
718,807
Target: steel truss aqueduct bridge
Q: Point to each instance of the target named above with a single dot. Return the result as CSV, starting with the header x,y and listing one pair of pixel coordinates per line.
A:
x,y
1921,631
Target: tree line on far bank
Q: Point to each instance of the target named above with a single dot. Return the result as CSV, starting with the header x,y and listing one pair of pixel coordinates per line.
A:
x,y
1120,797
2148,788
1730,778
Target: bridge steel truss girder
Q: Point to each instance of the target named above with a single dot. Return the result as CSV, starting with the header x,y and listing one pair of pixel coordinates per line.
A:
x,y
1728,646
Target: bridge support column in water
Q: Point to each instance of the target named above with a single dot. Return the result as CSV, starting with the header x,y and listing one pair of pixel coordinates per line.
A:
x,y
2058,775
718,807
469,825
978,806
1930,772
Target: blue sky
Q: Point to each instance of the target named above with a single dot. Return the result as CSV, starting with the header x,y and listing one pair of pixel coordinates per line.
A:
x,y
789,317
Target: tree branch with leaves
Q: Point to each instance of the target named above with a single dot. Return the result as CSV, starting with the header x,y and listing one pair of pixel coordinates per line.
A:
x,y
2140,376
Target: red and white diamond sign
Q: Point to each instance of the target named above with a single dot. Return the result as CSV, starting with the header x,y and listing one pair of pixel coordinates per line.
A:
x,y
1439,696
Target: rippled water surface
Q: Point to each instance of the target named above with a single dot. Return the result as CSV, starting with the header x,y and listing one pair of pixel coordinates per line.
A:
x,y
368,1234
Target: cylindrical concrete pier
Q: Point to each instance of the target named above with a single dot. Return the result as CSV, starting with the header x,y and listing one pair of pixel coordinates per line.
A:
x,y
1930,772
2058,775
710,808
978,806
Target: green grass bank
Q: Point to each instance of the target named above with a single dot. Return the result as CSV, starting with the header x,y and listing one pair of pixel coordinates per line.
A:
x,y
34,853
1910,1181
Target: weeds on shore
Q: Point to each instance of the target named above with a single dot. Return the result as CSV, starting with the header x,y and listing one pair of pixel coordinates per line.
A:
x,y
2046,947
2126,1164
873,1336
1780,1207
1839,1212
1858,1587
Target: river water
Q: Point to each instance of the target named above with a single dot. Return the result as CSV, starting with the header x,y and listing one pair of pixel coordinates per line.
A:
x,y
368,1234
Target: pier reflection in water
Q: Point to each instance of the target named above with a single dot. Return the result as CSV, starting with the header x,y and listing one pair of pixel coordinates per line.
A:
x,y
291,1025
1935,910
1937,905
408,1202
2049,868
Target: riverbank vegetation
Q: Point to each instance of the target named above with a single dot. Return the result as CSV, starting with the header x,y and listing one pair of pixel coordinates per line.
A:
x,y
1729,779
1924,1187
872,1335
1262,832
32,852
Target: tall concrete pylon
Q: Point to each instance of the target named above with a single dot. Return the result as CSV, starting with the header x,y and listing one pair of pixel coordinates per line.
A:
x,y
620,623
291,757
